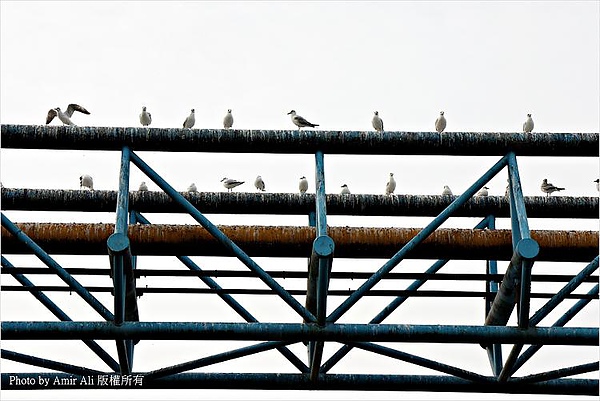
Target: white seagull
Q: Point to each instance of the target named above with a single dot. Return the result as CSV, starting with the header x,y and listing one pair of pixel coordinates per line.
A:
x,y
86,181
345,190
549,188
230,183
190,120
259,183
66,116
303,185
482,192
528,124
143,186
228,120
597,181
377,122
145,117
447,190
192,188
440,123
390,187
301,121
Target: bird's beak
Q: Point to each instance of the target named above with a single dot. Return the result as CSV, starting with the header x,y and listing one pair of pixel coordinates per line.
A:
x,y
290,112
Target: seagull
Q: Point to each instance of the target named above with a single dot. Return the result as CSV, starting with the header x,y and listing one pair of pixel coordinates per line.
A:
x,y
303,186
230,183
145,117
447,190
301,121
528,124
190,120
549,188
143,186
440,123
597,181
377,122
482,192
86,181
345,190
259,183
228,120
192,188
66,116
391,185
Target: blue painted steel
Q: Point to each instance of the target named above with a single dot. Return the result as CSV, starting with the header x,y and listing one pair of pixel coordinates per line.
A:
x,y
345,382
214,359
494,351
295,332
518,212
415,285
417,360
222,238
431,227
60,272
46,363
56,311
229,300
560,373
320,199
123,194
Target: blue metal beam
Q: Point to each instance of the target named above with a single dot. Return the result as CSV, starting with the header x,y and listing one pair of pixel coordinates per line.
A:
x,y
416,240
47,363
229,300
299,142
56,311
295,332
226,242
345,382
559,373
494,351
60,272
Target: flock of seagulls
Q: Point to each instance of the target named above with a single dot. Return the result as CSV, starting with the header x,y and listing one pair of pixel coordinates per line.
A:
x,y
299,121
86,181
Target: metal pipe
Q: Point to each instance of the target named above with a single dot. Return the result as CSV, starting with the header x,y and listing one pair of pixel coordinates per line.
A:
x,y
494,351
31,246
416,240
293,241
56,311
345,382
299,142
556,207
222,238
46,363
229,300
559,373
295,332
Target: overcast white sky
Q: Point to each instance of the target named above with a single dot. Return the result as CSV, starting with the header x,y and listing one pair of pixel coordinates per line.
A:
x,y
486,64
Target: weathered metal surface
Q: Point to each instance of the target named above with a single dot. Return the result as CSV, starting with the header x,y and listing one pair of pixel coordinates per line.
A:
x,y
296,141
295,204
293,241
287,381
294,332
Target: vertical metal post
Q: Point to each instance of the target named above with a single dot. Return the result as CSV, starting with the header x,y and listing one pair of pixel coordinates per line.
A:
x,y
494,351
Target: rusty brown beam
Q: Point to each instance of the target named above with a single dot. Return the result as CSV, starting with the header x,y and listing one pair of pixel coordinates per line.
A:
x,y
291,241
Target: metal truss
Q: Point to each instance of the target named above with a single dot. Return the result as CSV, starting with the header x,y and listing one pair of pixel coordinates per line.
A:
x,y
316,325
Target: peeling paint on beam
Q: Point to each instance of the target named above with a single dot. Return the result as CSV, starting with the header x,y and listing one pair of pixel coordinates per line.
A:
x,y
294,241
294,204
299,142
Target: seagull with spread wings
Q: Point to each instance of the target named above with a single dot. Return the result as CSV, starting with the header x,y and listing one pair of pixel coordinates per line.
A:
x,y
66,116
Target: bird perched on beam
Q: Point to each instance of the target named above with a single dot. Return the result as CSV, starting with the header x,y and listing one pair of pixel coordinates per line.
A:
x,y
345,190
303,185
390,187
549,188
230,183
440,123
482,192
447,191
259,183
377,122
192,188
143,186
66,116
528,124
228,120
86,181
190,120
301,121
145,117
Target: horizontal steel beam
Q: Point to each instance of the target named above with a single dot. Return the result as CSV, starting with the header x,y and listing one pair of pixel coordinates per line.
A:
x,y
279,381
295,332
295,204
294,241
299,142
